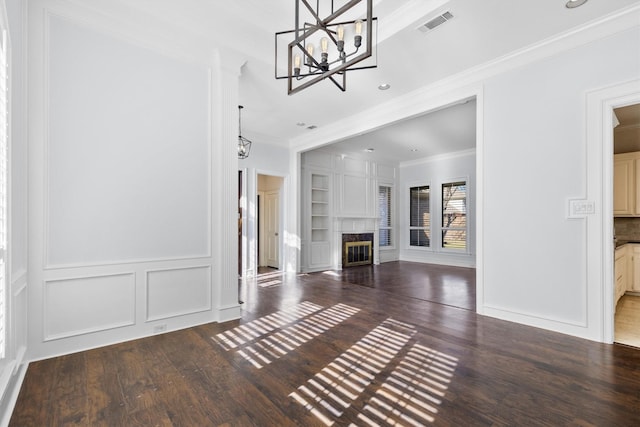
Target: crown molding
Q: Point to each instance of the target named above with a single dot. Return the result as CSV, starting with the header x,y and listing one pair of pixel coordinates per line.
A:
x,y
421,100
439,158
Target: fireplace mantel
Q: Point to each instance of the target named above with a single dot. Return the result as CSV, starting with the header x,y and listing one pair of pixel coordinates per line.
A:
x,y
345,224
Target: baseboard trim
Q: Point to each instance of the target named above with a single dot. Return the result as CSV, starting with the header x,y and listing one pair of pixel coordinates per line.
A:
x,y
11,392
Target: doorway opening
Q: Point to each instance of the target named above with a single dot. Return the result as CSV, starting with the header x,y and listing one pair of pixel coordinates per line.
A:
x,y
269,223
626,222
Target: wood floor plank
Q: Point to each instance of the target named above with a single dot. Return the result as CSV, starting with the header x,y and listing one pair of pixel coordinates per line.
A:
x,y
396,359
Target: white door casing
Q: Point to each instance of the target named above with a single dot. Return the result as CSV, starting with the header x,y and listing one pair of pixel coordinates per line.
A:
x,y
272,228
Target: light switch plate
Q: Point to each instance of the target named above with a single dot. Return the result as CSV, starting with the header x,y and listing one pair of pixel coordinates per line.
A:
x,y
580,208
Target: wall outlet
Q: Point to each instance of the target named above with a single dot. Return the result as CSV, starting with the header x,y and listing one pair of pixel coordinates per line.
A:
x,y
159,328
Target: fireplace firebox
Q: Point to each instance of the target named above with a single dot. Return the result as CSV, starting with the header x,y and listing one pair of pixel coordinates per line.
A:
x,y
357,249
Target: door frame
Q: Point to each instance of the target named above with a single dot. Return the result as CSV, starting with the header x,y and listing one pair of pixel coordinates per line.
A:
x,y
600,246
264,219
252,232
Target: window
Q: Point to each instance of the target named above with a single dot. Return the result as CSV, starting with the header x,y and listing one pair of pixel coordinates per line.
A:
x,y
420,216
4,116
454,215
384,213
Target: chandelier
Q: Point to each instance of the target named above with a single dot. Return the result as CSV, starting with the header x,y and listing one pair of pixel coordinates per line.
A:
x,y
244,145
326,48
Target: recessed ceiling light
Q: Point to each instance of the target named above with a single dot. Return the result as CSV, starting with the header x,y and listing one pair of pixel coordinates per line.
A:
x,y
370,150
312,127
575,3
384,86
300,124
414,149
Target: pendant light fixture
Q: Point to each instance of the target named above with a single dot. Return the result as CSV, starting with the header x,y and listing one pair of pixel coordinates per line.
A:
x,y
244,145
326,42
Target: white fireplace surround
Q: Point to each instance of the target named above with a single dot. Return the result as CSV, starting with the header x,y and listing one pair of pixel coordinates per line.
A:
x,y
353,225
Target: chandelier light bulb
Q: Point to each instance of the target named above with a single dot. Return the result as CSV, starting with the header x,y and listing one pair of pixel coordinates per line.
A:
x,y
310,49
324,44
358,25
340,32
296,65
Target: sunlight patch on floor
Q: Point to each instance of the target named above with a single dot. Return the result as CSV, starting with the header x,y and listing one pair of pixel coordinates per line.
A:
x,y
250,331
338,384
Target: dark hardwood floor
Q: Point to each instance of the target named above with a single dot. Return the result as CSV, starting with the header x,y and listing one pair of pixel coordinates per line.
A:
x,y
317,349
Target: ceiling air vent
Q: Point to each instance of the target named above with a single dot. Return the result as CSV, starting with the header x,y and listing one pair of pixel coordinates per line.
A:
x,y
435,22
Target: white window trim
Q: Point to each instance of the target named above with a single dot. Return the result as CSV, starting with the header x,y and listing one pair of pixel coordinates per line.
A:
x,y
440,248
393,227
408,228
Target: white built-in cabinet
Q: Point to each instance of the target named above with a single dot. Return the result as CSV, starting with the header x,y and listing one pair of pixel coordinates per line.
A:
x,y
626,184
319,220
339,194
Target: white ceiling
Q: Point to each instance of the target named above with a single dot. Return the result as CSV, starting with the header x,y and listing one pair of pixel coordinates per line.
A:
x,y
480,32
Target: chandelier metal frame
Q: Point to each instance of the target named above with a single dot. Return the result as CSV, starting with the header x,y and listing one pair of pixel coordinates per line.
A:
x,y
315,70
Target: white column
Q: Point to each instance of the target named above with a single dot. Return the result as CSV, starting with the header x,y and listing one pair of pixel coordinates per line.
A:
x,y
224,200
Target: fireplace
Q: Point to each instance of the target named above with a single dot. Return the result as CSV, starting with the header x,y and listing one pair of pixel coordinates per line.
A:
x,y
357,249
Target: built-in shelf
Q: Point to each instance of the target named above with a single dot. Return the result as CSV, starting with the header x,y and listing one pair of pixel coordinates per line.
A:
x,y
319,207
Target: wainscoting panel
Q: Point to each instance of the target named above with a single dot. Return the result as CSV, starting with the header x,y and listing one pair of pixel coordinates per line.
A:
x,y
82,305
178,292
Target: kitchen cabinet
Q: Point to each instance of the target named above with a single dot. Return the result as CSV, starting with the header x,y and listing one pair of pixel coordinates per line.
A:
x,y
626,184
634,285
620,269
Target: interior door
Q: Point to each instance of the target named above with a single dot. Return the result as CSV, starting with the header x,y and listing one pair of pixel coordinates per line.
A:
x,y
272,228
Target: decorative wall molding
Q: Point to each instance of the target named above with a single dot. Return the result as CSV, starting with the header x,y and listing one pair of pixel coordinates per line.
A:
x,y
140,253
439,157
175,292
225,160
85,304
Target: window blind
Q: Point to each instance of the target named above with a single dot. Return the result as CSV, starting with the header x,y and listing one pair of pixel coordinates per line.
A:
x,y
419,216
384,214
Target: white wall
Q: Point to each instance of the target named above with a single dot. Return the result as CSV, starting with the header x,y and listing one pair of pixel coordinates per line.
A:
x,y
434,172
532,260
535,160
13,366
131,158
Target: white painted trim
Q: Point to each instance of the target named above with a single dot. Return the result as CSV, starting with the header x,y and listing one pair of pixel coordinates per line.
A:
x,y
72,333
439,157
406,201
10,392
244,233
284,230
18,282
599,178
440,258
479,194
548,322
207,308
468,197
47,16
